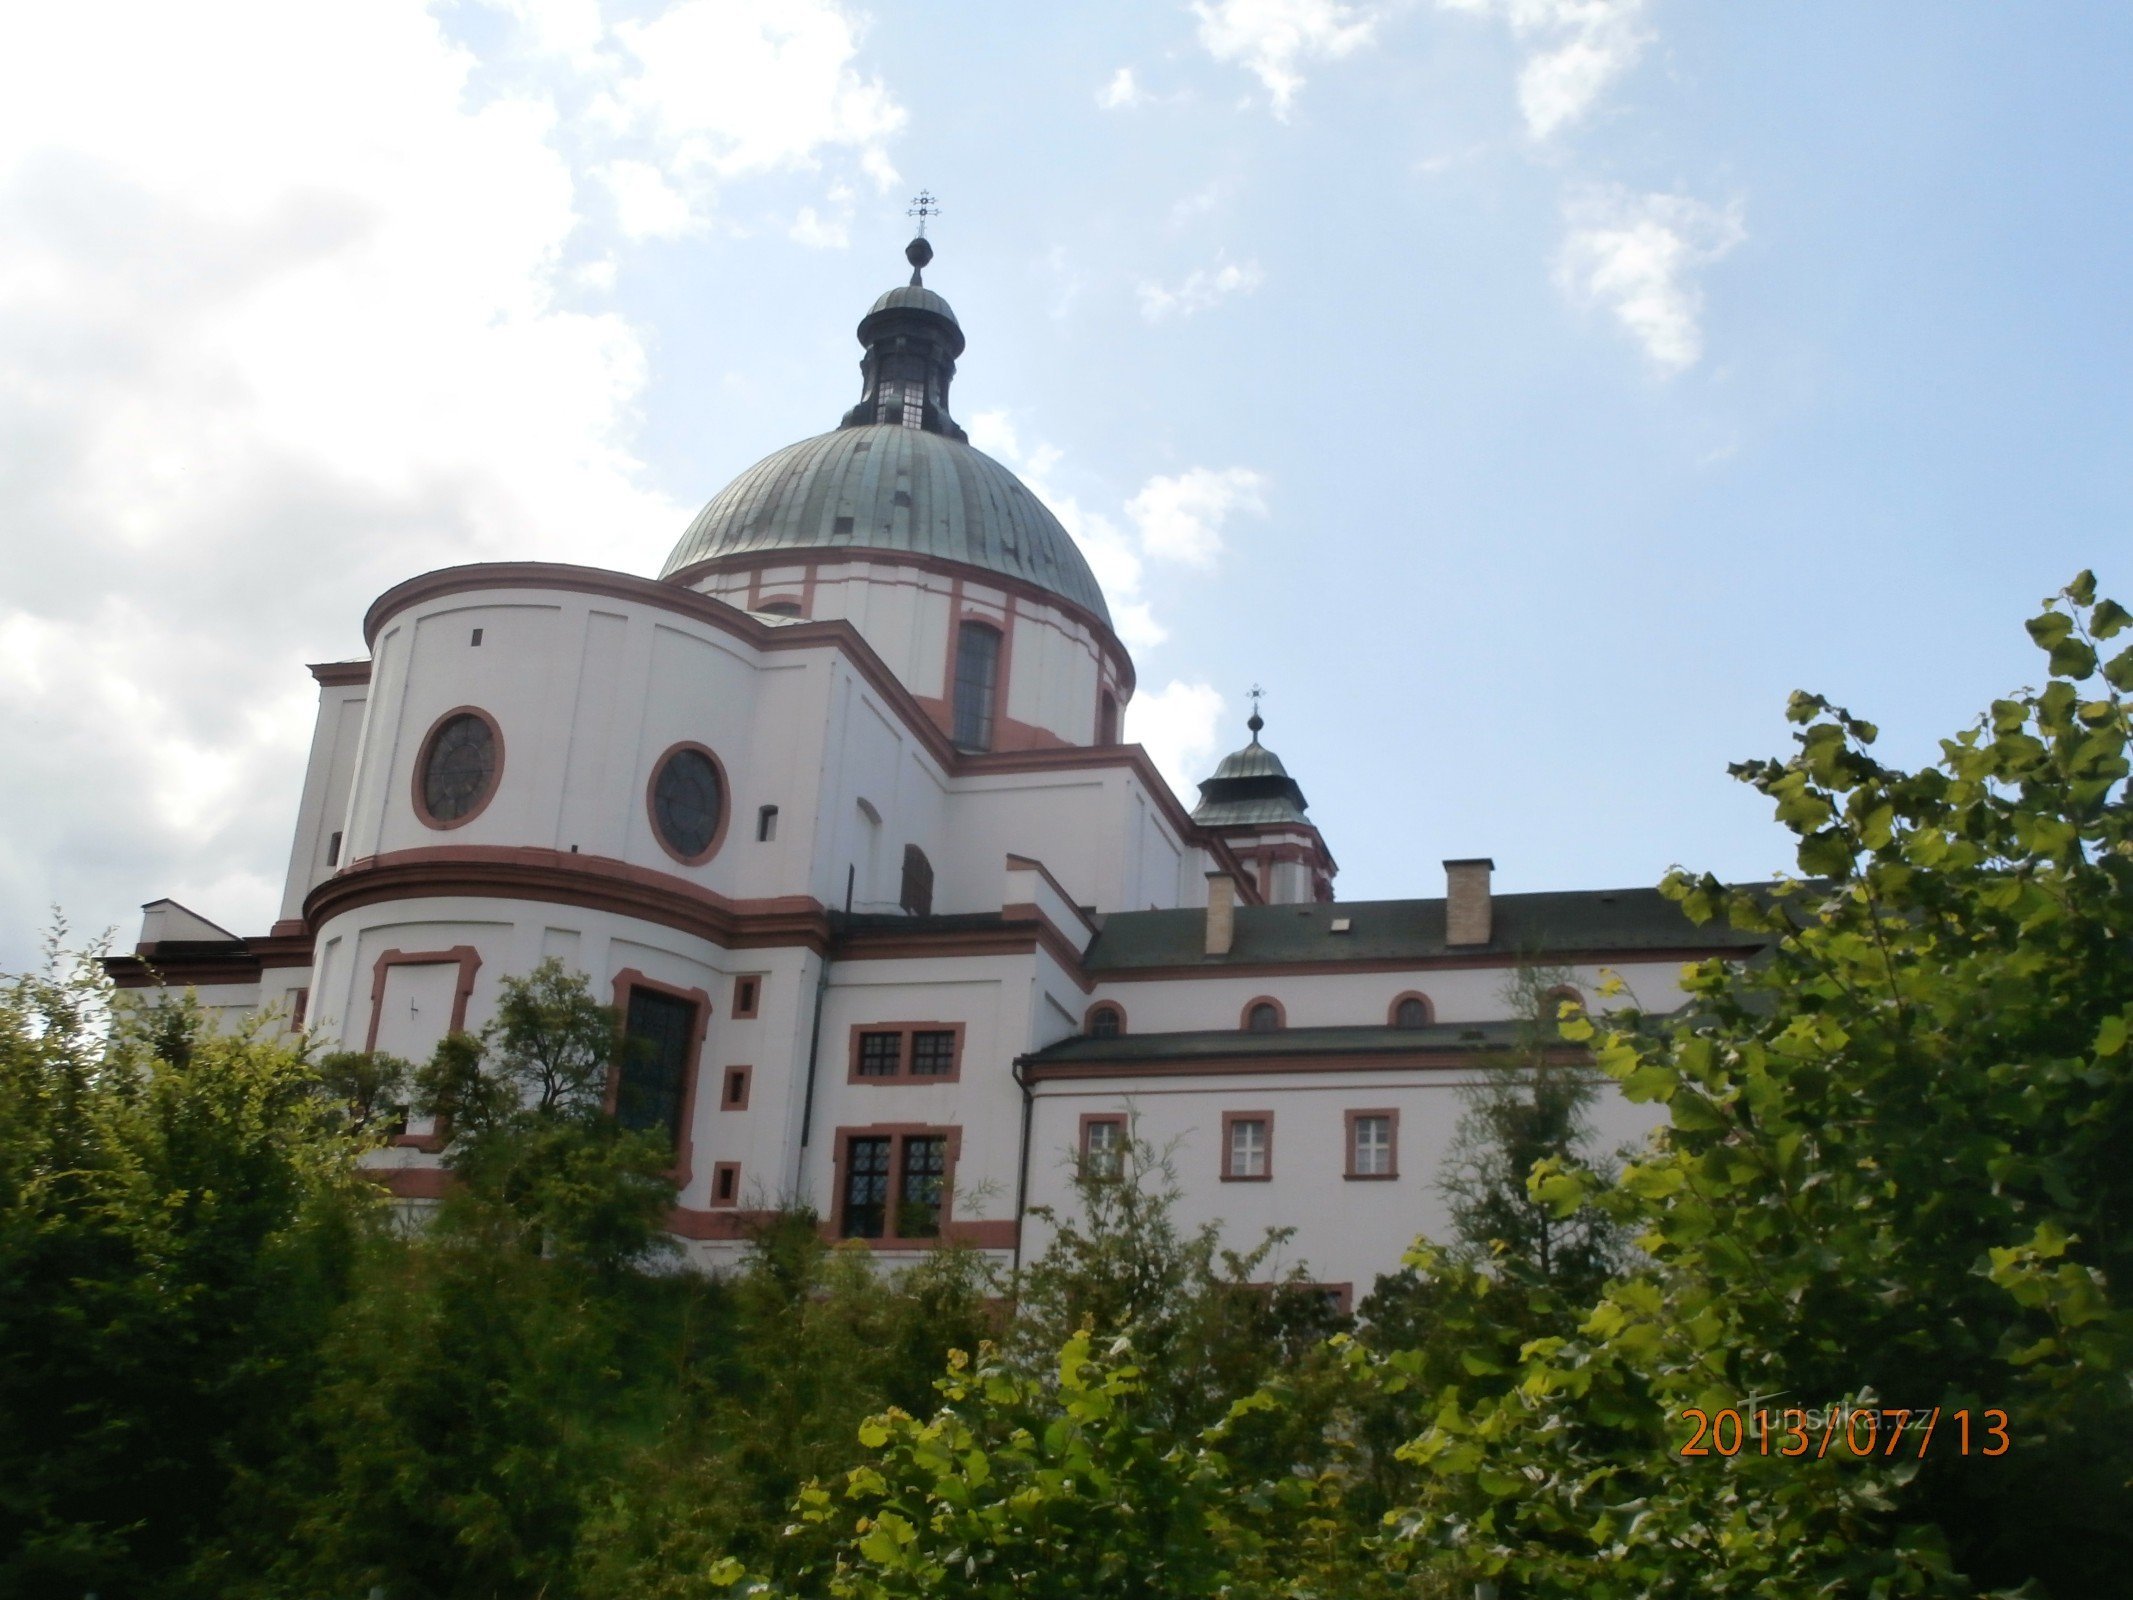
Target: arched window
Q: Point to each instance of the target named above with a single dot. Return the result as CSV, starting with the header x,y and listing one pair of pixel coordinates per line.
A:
x,y
779,608
1262,1016
1412,1011
1552,1001
1107,719
977,681
917,896
1106,1022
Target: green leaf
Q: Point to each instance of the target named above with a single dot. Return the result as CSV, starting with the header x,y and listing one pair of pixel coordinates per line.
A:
x,y
2111,1035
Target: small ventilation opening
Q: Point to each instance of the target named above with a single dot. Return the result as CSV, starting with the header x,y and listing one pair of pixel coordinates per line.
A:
x,y
766,824
729,1179
841,528
333,851
736,1086
476,640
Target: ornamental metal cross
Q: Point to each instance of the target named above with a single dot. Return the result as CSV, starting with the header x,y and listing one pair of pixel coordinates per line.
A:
x,y
923,205
1257,694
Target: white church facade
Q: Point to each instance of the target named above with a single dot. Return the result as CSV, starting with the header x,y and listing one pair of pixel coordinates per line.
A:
x,y
836,814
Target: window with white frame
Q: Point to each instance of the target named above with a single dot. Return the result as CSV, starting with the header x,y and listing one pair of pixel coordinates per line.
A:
x,y
1370,1145
1248,1146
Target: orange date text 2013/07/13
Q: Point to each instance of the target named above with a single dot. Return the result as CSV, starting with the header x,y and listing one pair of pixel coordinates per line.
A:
x,y
1858,1431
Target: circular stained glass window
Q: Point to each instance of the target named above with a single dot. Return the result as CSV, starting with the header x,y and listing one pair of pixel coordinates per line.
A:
x,y
458,768
687,803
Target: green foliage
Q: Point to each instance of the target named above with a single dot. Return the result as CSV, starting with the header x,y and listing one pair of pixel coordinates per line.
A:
x,y
175,1209
1894,1170
368,1088
1532,1106
539,1162
1205,1325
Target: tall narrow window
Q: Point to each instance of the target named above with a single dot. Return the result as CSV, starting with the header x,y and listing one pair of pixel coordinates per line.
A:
x,y
1106,719
1247,1146
977,678
655,1062
766,824
1103,1145
917,897
866,1188
918,1209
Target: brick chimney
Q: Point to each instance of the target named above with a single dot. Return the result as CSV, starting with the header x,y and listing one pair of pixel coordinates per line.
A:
x,y
1221,913
1466,900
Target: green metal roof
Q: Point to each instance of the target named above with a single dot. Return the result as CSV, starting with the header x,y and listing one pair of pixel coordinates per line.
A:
x,y
913,297
889,488
1133,1049
1605,922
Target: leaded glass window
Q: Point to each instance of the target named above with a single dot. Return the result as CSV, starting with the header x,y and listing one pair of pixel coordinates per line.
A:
x,y
653,1082
687,802
918,1211
880,1054
459,767
866,1187
977,678
1413,1012
932,1054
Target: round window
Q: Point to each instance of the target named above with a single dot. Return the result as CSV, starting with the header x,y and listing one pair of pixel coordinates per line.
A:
x,y
459,765
688,803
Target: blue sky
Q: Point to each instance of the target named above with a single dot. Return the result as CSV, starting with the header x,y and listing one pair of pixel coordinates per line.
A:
x,y
1528,393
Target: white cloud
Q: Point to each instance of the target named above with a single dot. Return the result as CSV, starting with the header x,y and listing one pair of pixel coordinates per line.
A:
x,y
1576,48
250,380
1121,91
646,205
1272,38
1200,289
1180,724
725,88
1180,518
818,232
1635,256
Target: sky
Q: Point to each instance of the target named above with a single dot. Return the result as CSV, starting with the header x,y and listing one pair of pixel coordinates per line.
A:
x,y
1528,394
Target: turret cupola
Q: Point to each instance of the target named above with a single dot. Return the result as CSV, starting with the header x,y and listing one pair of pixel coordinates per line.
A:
x,y
912,340
1257,809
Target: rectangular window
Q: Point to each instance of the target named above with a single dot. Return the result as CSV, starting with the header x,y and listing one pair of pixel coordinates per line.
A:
x,y
880,1054
932,1054
333,851
977,676
1103,1147
925,1170
747,991
866,1187
906,1052
658,1033
736,1096
1247,1145
766,824
725,1183
1373,1144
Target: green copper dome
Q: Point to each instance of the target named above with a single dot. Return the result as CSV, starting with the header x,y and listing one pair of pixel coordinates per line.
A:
x,y
898,476
886,487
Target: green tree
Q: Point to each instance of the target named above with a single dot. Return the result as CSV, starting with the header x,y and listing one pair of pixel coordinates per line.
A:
x,y
1205,1323
1894,1171
1533,1104
538,1159
176,1208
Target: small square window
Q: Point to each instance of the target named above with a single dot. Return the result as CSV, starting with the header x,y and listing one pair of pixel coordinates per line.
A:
x,y
932,1054
880,1054
747,991
735,1095
725,1183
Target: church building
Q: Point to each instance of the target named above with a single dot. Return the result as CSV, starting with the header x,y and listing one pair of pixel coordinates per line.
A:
x,y
835,811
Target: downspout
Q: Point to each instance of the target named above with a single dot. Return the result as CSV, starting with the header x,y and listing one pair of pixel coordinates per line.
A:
x,y
1022,1159
814,1038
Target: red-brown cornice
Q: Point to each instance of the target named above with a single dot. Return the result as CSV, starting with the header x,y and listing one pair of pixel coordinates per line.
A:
x,y
596,882
336,674
984,577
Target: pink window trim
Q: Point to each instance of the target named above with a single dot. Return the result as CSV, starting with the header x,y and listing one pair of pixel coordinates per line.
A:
x,y
1229,1120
